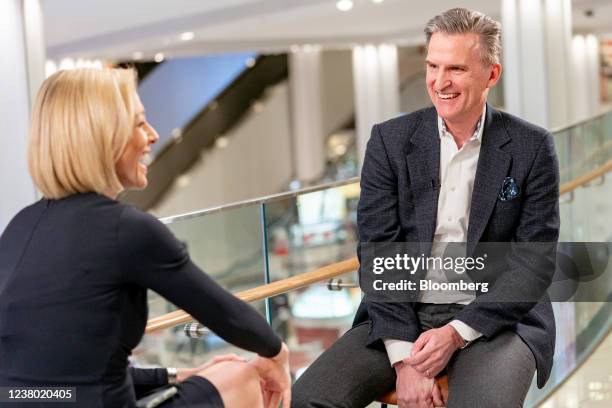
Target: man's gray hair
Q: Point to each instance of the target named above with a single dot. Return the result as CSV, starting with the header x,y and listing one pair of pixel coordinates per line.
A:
x,y
464,21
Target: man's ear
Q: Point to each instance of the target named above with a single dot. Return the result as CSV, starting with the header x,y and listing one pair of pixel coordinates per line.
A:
x,y
494,75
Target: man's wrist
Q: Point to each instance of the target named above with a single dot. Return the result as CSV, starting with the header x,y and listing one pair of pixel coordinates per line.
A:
x,y
459,341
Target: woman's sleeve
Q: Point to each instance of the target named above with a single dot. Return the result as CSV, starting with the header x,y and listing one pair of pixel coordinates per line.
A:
x,y
152,257
146,380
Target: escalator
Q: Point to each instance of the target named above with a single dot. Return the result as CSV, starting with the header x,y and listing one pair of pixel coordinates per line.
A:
x,y
179,151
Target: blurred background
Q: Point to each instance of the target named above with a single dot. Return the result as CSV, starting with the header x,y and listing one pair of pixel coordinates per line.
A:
x,y
264,109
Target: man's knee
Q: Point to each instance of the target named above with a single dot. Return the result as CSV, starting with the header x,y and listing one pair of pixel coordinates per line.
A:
x,y
299,398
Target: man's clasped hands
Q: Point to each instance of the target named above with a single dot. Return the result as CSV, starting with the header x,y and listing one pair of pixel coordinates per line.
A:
x,y
416,386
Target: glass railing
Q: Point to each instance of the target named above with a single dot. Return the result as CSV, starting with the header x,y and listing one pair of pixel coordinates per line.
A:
x,y
260,241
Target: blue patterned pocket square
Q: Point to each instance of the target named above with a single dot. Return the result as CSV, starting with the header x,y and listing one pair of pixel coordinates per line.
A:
x,y
509,190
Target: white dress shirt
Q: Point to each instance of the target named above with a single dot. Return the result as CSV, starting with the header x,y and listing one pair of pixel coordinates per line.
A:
x,y
457,174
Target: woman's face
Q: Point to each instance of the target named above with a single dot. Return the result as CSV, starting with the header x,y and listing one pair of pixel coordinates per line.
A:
x,y
132,165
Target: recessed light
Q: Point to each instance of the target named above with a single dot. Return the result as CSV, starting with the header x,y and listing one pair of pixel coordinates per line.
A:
x,y
187,36
159,57
258,107
50,68
377,1
177,133
67,63
221,142
344,5
183,181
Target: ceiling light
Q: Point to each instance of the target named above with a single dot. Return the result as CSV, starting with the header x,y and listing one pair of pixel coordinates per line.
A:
x,y
344,5
159,57
221,142
183,181
138,55
67,63
50,68
250,62
377,1
187,36
258,107
177,133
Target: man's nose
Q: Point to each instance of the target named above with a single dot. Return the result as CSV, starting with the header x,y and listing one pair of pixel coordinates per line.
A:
x,y
442,80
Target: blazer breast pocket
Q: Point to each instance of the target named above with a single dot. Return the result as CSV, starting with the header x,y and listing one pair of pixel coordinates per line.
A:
x,y
506,216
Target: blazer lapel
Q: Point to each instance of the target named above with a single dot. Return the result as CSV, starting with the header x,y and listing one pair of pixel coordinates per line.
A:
x,y
423,162
493,165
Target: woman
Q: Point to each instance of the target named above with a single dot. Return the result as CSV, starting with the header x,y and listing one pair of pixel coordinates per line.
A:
x,y
75,266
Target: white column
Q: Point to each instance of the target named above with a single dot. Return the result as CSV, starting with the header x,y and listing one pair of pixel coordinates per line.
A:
x,y
20,60
308,138
536,43
593,74
585,78
376,79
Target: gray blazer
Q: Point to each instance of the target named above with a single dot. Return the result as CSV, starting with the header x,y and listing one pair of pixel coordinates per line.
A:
x,y
399,201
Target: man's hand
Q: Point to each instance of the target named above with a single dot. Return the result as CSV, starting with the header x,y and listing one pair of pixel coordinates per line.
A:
x,y
414,390
433,349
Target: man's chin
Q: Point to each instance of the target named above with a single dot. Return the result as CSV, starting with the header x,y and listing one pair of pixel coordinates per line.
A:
x,y
446,114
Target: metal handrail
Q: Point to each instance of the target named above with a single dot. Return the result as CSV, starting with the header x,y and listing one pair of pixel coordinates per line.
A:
x,y
576,123
260,200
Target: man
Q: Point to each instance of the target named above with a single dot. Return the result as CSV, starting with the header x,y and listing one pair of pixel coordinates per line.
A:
x,y
460,171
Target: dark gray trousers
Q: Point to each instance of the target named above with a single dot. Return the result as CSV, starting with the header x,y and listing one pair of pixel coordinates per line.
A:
x,y
487,374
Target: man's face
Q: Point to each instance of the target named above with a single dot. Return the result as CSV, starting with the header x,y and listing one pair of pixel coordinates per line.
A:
x,y
457,79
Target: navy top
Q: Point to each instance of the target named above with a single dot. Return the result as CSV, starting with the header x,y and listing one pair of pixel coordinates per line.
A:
x,y
74,275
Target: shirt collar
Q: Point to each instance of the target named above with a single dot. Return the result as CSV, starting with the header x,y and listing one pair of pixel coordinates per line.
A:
x,y
477,132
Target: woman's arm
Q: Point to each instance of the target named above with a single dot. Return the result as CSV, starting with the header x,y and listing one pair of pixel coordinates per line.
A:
x,y
152,257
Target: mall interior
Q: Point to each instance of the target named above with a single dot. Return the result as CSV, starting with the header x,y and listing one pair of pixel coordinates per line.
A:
x,y
264,109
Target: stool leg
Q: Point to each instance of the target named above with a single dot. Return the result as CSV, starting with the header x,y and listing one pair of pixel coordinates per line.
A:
x,y
383,405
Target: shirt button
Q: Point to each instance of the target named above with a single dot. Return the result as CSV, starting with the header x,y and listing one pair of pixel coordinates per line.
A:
x,y
450,219
452,188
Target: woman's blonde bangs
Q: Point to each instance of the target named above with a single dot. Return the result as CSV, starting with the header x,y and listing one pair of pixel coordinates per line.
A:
x,y
81,121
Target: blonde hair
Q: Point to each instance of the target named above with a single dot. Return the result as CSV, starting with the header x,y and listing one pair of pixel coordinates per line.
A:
x,y
81,123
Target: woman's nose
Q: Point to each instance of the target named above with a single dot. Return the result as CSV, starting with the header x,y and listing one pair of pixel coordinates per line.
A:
x,y
152,134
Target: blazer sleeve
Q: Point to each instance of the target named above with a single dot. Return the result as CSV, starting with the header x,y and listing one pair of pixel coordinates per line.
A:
x,y
530,272
378,221
152,257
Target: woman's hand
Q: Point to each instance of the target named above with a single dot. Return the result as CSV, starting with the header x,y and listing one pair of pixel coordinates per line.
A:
x,y
275,378
183,373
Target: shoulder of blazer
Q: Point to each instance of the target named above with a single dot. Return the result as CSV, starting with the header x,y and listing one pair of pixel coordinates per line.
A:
x,y
399,130
521,130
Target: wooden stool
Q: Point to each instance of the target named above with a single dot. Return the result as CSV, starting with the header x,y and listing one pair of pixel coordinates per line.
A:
x,y
390,398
